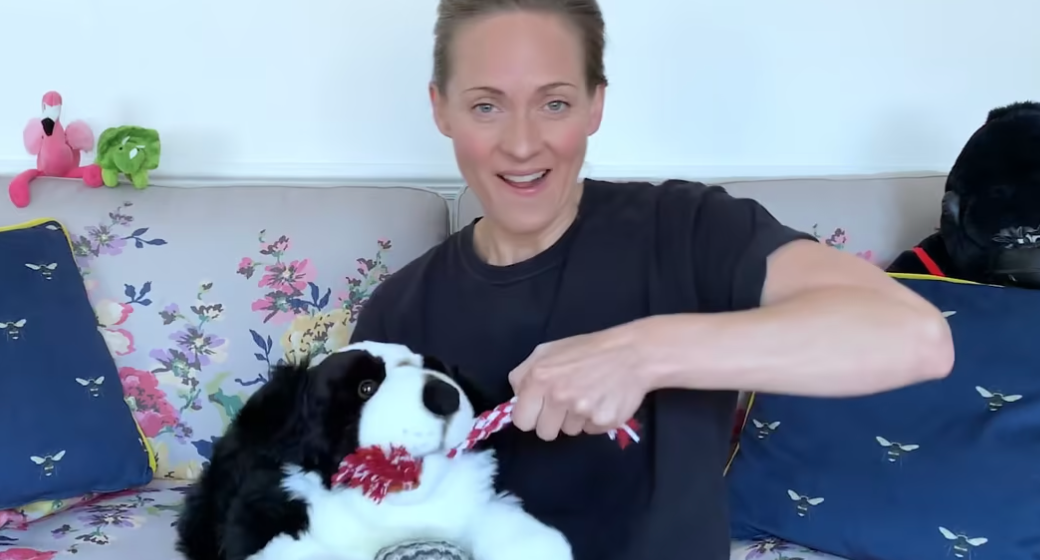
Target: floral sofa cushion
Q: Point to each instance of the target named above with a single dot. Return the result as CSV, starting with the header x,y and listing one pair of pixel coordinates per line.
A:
x,y
120,525
199,290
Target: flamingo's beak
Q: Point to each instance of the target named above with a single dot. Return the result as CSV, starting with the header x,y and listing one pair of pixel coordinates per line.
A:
x,y
51,113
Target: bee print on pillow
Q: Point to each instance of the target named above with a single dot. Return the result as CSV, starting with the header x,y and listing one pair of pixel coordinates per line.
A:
x,y
13,329
803,503
996,401
764,429
894,451
45,270
962,544
48,463
93,385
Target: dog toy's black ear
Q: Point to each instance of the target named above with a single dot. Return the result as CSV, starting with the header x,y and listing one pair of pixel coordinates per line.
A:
x,y
436,364
338,374
480,400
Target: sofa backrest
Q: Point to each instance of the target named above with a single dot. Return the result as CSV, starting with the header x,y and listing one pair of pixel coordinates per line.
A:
x,y
199,290
875,216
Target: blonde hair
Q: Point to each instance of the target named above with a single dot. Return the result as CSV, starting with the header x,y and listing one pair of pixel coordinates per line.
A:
x,y
584,15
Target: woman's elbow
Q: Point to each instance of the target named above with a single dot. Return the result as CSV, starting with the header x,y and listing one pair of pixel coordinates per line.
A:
x,y
931,345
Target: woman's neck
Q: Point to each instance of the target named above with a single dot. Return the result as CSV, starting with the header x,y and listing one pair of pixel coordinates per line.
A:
x,y
502,248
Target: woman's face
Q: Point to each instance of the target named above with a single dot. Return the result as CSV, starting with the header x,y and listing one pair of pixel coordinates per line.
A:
x,y
519,114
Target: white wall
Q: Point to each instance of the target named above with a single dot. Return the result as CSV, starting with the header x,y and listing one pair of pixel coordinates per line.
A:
x,y
336,89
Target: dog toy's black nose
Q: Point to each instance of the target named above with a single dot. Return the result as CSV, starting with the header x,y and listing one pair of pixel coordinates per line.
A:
x,y
440,397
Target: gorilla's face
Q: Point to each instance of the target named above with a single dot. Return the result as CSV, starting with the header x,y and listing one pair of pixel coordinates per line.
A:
x,y
995,238
991,209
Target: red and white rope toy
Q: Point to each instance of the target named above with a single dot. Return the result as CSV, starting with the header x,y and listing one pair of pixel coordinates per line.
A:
x,y
378,472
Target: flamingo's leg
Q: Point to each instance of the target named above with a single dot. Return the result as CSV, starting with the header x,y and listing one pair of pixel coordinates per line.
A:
x,y
19,188
91,175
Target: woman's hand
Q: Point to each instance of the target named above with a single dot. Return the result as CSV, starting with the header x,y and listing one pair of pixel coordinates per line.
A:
x,y
591,383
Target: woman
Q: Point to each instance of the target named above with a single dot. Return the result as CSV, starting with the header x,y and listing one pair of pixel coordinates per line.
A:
x,y
597,302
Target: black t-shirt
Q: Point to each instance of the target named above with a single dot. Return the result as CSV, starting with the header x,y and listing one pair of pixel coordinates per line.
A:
x,y
635,250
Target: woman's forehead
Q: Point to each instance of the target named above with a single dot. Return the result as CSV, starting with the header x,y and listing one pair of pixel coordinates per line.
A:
x,y
516,51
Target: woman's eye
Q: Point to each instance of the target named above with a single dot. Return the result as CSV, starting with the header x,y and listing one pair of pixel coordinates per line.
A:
x,y
557,106
484,107
366,389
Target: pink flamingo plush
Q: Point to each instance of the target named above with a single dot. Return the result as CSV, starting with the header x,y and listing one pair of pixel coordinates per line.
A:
x,y
57,150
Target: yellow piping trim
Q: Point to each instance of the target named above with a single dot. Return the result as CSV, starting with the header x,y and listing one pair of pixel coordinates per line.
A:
x,y
903,275
912,276
152,463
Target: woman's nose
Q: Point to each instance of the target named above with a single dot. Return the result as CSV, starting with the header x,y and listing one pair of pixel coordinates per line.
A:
x,y
521,139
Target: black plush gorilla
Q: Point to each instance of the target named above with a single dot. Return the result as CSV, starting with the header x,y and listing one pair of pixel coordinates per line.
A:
x,y
990,226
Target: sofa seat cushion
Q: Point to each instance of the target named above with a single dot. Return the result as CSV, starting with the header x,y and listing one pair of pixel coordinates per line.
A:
x,y
121,525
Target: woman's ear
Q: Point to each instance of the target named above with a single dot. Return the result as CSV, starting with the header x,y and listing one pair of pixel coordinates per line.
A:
x,y
439,103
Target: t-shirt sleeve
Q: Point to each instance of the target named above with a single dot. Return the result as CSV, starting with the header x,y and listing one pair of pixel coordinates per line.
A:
x,y
731,240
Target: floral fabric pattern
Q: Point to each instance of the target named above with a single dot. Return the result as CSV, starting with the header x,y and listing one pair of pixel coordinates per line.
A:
x,y
174,351
775,549
838,239
290,297
142,519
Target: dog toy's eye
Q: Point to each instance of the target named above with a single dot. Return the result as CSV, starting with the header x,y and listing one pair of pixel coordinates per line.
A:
x,y
366,389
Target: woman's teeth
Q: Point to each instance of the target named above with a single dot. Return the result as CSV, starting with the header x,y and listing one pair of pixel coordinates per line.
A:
x,y
525,178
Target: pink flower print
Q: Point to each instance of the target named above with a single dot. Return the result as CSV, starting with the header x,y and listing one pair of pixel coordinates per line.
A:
x,y
275,248
27,554
110,315
278,306
839,238
866,255
246,267
290,278
13,520
147,401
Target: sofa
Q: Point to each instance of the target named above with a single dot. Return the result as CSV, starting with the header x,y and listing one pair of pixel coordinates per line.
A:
x,y
191,288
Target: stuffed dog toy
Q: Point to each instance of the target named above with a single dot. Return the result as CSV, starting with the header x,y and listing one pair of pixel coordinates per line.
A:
x,y
272,489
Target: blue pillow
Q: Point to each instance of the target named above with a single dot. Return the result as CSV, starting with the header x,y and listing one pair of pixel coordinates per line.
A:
x,y
942,469
66,429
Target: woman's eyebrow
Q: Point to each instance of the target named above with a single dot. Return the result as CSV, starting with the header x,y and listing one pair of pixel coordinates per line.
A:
x,y
546,87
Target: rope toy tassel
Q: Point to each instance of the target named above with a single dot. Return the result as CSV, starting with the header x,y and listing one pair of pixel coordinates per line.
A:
x,y
378,471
